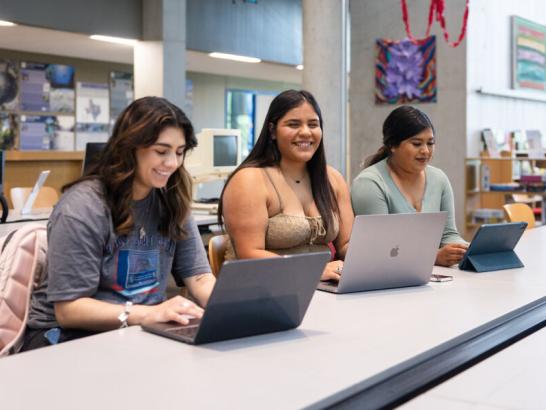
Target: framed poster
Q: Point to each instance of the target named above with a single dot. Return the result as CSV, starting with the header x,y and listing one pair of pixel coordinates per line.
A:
x,y
45,132
93,104
528,54
92,113
47,87
121,93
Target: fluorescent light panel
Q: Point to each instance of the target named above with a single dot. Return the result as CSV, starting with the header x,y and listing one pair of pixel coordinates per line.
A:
x,y
5,23
117,40
235,57
299,67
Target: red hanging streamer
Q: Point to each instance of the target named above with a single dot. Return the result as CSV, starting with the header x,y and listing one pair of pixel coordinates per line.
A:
x,y
436,10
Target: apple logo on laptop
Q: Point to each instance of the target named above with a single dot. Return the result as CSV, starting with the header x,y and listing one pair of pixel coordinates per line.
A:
x,y
394,251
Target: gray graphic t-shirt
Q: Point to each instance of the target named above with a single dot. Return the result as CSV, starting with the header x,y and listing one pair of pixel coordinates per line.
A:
x,y
87,259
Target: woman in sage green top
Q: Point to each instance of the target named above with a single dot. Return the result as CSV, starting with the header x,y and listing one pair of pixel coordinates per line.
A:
x,y
399,179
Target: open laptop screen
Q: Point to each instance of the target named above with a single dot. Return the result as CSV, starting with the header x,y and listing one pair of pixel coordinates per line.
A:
x,y
27,207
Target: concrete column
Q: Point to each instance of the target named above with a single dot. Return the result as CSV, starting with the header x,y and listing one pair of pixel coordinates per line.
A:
x,y
325,71
160,58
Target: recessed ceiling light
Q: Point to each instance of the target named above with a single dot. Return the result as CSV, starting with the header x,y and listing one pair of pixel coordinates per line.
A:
x,y
299,67
5,23
117,40
235,57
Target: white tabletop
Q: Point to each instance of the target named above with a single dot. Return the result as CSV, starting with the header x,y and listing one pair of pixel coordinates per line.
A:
x,y
511,379
343,342
14,216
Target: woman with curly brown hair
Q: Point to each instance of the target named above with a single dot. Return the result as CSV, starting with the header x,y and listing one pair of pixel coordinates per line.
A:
x,y
119,231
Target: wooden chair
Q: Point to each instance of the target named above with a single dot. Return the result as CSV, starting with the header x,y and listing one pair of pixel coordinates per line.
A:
x,y
47,197
217,251
520,213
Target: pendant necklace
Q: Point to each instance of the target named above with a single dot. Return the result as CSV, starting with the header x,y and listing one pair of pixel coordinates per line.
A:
x,y
297,181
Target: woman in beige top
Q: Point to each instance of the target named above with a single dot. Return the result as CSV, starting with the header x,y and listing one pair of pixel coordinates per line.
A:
x,y
283,198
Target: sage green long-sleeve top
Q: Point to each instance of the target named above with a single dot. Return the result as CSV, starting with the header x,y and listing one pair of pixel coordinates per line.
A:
x,y
374,192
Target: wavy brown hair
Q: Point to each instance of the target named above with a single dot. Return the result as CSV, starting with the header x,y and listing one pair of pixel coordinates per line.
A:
x,y
139,126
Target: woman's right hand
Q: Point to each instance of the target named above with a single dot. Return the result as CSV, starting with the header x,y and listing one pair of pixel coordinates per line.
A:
x,y
332,271
177,309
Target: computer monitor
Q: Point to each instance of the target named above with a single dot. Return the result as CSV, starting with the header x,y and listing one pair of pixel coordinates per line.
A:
x,y
218,152
92,155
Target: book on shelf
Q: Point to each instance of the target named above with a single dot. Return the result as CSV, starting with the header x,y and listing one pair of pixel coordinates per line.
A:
x,y
490,143
509,186
534,144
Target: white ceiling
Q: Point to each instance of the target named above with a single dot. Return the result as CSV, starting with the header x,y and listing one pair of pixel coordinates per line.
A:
x,y
61,43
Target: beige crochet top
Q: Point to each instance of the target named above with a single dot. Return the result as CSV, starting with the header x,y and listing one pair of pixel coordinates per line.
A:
x,y
289,234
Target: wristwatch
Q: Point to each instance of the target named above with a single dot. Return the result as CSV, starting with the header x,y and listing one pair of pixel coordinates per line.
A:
x,y
123,316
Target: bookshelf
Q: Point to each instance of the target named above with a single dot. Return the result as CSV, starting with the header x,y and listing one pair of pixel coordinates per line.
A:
x,y
507,171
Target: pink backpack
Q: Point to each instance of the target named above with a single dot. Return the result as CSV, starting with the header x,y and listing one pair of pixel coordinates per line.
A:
x,y
22,263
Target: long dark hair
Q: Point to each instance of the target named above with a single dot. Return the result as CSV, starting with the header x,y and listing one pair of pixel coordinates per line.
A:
x,y
139,126
265,153
402,123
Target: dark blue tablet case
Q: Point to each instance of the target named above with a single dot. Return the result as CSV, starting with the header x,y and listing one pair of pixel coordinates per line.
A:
x,y
493,248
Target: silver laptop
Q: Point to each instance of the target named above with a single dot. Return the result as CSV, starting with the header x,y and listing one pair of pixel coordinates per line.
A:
x,y
253,297
390,251
27,206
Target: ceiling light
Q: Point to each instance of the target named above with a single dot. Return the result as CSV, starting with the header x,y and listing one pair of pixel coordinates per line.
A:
x,y
234,57
299,67
117,40
5,23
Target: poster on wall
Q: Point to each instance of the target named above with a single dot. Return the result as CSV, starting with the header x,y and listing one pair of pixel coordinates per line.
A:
x,y
47,87
121,93
405,72
528,54
8,130
93,106
45,132
9,89
92,113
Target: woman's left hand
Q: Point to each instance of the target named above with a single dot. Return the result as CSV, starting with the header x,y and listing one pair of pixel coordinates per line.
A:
x,y
332,271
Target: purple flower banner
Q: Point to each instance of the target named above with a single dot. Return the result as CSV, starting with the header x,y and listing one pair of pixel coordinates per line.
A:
x,y
405,72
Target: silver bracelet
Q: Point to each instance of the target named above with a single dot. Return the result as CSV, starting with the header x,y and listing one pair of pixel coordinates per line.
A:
x,y
123,316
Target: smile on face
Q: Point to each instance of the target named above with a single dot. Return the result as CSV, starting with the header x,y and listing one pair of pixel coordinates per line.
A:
x,y
156,163
298,133
415,153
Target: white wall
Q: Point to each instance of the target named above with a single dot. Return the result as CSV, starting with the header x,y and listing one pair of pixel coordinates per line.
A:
x,y
489,65
209,96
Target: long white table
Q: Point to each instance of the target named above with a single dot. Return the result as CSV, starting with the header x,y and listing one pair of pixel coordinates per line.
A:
x,y
360,349
511,379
